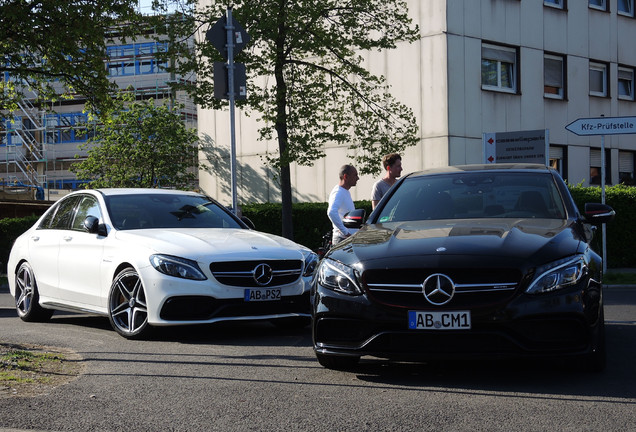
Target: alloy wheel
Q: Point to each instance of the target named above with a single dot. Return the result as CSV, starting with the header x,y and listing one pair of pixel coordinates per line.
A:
x,y
127,308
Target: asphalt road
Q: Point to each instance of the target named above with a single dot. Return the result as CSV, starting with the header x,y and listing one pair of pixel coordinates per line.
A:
x,y
254,376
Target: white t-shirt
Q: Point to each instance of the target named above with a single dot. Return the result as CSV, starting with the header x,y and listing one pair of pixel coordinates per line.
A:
x,y
340,203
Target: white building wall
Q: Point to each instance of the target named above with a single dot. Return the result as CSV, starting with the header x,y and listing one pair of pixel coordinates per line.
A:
x,y
439,77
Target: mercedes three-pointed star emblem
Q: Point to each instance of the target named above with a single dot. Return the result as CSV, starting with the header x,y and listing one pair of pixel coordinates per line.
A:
x,y
438,289
263,274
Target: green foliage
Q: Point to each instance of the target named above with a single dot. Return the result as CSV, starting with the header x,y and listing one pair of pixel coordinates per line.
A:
x,y
140,145
54,49
621,235
318,88
10,229
310,220
307,80
619,278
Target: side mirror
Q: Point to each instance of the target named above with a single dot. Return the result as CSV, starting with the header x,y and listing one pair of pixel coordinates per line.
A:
x,y
599,213
92,226
354,219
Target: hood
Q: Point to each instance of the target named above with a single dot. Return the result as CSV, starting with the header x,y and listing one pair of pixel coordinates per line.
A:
x,y
221,243
532,241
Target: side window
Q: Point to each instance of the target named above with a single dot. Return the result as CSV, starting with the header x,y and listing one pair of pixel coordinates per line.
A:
x,y
64,214
87,207
46,221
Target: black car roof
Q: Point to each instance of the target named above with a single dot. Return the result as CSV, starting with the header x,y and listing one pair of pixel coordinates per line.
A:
x,y
482,167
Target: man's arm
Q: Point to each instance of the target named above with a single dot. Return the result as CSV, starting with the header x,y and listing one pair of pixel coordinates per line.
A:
x,y
334,215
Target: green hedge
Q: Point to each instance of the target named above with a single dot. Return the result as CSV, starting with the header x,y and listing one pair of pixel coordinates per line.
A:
x,y
621,236
10,229
310,220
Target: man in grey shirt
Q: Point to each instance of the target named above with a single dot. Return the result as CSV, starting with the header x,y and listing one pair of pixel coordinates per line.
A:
x,y
393,169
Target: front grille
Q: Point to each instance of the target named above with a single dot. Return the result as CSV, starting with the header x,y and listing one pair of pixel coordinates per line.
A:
x,y
200,308
474,288
242,273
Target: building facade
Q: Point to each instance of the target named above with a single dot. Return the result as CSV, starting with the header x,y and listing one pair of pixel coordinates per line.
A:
x,y
479,67
38,146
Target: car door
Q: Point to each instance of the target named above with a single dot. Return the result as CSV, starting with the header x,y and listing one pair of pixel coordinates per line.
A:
x,y
44,245
80,257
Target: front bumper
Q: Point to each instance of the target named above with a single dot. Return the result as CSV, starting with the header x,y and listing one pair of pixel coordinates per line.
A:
x,y
174,301
561,323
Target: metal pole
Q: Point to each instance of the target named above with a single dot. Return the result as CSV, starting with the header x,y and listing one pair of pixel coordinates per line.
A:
x,y
603,201
230,81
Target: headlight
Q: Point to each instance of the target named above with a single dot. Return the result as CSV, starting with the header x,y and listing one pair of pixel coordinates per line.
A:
x,y
338,277
311,261
177,267
557,275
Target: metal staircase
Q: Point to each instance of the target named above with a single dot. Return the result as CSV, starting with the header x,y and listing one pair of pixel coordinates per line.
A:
x,y
30,159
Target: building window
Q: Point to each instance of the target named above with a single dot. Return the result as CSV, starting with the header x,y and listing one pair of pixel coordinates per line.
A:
x,y
557,159
67,128
139,59
626,7
598,4
559,4
595,167
626,83
554,76
498,68
12,136
598,79
626,167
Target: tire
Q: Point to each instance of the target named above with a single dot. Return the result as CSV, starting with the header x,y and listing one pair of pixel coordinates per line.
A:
x,y
595,361
337,362
127,307
27,299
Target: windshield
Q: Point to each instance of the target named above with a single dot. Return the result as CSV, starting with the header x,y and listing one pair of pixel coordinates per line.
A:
x,y
471,195
169,210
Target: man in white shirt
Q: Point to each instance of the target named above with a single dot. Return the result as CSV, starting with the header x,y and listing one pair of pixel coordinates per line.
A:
x,y
340,203
393,169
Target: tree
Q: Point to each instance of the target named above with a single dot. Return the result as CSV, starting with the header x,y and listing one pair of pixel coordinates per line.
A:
x,y
321,93
52,49
140,145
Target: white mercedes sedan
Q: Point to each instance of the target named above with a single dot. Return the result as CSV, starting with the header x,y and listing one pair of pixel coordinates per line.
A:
x,y
153,257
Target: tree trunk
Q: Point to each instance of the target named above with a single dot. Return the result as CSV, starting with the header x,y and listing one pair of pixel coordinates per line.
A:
x,y
281,125
286,195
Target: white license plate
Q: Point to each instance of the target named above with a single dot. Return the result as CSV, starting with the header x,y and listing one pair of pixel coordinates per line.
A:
x,y
262,294
448,320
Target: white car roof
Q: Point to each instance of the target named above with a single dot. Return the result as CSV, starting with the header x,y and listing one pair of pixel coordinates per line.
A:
x,y
138,191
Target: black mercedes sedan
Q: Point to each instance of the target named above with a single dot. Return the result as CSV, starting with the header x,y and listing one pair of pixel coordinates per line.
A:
x,y
477,261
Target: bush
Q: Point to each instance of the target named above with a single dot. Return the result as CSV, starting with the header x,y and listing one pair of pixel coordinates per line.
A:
x,y
620,234
310,220
10,229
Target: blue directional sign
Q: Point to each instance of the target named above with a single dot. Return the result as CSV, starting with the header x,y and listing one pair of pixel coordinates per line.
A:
x,y
603,126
